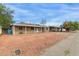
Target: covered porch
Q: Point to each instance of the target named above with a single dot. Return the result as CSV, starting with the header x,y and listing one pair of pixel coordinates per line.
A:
x,y
26,29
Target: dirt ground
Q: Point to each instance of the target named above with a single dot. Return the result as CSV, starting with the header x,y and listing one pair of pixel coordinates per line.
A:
x,y
66,47
29,44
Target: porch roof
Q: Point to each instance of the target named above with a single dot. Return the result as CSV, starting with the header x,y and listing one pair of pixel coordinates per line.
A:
x,y
29,25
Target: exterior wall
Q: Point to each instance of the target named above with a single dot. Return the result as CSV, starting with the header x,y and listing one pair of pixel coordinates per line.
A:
x,y
63,29
47,29
54,29
25,29
38,29
13,29
19,31
0,30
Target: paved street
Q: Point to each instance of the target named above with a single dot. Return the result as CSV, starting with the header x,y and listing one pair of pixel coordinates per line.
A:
x,y
67,47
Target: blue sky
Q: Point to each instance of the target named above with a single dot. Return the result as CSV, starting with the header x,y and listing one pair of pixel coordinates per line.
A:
x,y
54,13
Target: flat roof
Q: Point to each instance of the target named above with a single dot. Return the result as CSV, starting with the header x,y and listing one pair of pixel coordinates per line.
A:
x,y
31,25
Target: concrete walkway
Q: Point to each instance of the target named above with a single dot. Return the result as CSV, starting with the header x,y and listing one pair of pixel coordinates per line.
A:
x,y
66,47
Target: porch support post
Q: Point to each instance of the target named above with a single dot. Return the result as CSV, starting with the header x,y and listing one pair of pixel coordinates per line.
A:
x,y
34,29
0,30
13,29
25,30
41,29
48,29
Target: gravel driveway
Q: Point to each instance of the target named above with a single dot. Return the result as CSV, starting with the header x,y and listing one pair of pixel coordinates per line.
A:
x,y
67,47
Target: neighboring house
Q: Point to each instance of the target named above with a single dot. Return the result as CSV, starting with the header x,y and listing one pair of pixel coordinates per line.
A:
x,y
56,29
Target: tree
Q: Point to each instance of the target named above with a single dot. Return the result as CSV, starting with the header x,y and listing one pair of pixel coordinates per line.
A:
x,y
71,25
76,25
5,16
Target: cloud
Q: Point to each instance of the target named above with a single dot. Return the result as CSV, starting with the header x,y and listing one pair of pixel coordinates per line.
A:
x,y
67,17
22,14
55,14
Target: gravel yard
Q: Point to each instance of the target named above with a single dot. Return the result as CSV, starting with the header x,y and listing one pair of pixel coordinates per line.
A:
x,y
67,47
29,44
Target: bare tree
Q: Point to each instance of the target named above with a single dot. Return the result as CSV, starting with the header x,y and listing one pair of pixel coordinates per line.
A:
x,y
43,21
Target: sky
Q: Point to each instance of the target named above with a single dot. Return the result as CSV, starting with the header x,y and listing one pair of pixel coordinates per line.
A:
x,y
54,13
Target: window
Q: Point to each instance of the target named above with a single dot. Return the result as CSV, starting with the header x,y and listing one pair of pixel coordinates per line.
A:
x,y
20,28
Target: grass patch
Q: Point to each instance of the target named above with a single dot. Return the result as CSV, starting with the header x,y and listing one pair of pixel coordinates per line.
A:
x,y
66,52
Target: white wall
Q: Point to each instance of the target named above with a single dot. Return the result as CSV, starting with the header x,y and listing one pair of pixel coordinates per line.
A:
x,y
0,30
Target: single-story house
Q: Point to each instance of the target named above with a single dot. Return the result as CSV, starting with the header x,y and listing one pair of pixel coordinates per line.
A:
x,y
24,28
56,29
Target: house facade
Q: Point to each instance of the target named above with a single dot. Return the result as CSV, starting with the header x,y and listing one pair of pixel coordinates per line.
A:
x,y
56,29
29,28
24,29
